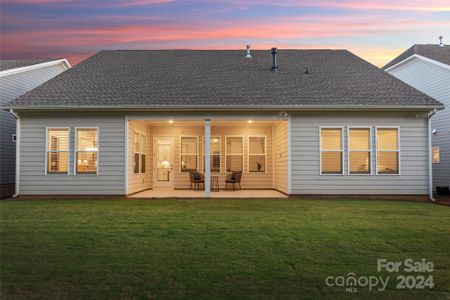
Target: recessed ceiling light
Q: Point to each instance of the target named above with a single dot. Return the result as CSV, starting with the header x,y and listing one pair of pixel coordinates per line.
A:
x,y
250,121
170,121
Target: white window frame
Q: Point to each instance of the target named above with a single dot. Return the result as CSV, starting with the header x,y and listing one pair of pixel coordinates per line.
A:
x,y
265,153
342,150
398,150
198,152
242,151
438,161
220,153
46,151
75,151
370,150
140,133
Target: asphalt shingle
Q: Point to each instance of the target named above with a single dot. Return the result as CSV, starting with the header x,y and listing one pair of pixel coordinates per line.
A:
x,y
7,64
208,78
435,52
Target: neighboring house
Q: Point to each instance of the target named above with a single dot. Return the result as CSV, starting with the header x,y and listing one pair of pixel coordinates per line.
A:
x,y
427,68
322,122
16,78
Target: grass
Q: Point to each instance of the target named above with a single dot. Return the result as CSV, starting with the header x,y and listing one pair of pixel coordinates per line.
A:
x,y
197,249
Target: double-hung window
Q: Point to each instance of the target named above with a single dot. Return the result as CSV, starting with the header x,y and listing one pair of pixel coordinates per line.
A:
x,y
140,152
331,151
234,151
388,150
189,153
86,141
57,156
215,146
257,154
359,150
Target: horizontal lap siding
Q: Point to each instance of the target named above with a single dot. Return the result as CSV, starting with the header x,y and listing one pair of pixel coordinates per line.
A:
x,y
11,87
109,181
434,81
249,180
139,182
280,156
305,157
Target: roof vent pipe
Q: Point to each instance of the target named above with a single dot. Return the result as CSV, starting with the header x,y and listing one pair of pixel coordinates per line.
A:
x,y
274,59
248,54
441,43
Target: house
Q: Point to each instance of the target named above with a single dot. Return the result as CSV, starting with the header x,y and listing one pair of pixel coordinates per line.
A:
x,y
16,78
427,68
301,122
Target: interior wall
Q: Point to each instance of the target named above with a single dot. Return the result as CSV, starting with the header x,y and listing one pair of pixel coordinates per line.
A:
x,y
249,180
280,157
143,181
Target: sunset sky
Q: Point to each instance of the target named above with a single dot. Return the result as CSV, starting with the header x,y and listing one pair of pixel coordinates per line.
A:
x,y
375,30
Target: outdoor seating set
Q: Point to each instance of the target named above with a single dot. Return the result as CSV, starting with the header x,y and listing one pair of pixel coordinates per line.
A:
x,y
232,181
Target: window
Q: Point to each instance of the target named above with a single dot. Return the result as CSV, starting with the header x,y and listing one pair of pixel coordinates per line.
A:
x,y
140,152
388,151
331,150
189,153
216,143
257,154
234,153
57,150
436,155
86,150
359,150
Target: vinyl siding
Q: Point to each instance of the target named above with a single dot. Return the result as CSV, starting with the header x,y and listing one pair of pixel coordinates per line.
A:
x,y
432,80
280,156
111,157
11,87
305,155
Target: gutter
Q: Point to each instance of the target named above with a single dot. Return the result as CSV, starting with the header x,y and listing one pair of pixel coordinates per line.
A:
x,y
16,116
430,156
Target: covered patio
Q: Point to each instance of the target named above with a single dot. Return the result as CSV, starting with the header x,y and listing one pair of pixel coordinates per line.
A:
x,y
164,155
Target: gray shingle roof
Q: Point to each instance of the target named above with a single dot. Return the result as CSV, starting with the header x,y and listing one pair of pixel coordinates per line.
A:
x,y
7,64
440,54
204,78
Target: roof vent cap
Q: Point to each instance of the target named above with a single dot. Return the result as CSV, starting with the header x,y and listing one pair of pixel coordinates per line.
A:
x,y
274,59
247,53
441,43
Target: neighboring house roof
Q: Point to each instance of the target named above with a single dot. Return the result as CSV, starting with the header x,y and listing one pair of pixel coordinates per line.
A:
x,y
6,64
435,52
222,78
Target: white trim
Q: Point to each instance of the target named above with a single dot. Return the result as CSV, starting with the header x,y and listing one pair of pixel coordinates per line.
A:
x,y
418,56
198,151
154,174
242,153
369,150
75,151
265,153
63,62
342,150
289,166
126,155
202,154
430,158
46,172
139,134
398,150
18,139
207,150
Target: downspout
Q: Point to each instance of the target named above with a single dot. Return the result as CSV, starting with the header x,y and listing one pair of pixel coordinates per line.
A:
x,y
430,156
16,116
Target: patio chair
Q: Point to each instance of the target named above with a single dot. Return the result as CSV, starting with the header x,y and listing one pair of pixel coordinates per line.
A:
x,y
196,180
233,179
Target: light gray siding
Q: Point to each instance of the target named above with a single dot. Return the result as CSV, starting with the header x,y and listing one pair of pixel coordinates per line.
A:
x,y
111,158
11,87
433,80
305,157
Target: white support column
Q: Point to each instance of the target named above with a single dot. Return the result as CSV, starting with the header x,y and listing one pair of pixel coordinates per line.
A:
x,y
207,158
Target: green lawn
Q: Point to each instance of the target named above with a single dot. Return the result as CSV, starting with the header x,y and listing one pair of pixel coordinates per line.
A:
x,y
260,249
